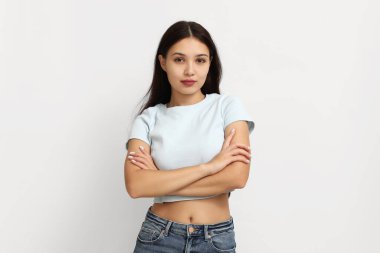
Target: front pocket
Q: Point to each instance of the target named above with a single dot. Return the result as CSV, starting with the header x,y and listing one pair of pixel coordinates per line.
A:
x,y
150,232
224,241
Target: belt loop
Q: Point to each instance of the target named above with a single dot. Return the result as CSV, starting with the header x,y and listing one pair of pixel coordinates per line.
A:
x,y
167,227
207,236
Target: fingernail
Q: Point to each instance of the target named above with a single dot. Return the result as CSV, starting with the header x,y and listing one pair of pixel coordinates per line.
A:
x,y
233,130
130,157
141,147
132,153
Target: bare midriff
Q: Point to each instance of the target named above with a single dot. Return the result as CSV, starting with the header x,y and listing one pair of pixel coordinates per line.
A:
x,y
198,211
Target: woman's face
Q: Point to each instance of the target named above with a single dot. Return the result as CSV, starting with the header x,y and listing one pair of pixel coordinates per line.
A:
x,y
188,59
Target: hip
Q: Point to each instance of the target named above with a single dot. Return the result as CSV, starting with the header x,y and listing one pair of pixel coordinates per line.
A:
x,y
163,235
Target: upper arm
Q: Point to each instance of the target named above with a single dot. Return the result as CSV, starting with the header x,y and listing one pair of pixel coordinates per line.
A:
x,y
142,126
241,136
236,116
139,135
129,167
233,110
241,132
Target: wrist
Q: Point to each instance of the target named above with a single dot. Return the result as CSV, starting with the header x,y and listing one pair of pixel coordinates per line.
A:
x,y
206,168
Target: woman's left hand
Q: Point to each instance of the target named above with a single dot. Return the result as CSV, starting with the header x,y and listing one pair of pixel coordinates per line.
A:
x,y
142,160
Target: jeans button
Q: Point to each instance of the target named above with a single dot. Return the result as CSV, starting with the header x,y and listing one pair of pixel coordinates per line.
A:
x,y
191,229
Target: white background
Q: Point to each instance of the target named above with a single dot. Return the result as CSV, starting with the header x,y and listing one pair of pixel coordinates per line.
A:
x,y
72,75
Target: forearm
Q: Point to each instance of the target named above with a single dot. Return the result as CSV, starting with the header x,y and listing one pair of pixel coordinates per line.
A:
x,y
218,183
155,183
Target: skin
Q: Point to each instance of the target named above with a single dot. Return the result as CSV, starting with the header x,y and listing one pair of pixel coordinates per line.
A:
x,y
187,59
190,59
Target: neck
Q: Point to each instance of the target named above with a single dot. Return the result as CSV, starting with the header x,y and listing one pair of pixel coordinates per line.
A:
x,y
185,100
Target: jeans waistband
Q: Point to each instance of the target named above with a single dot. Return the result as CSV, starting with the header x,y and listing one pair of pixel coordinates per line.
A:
x,y
184,229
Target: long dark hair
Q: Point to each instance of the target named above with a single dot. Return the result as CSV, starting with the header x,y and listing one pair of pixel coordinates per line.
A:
x,y
160,89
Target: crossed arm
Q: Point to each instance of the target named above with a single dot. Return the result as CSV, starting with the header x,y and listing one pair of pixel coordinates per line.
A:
x,y
233,176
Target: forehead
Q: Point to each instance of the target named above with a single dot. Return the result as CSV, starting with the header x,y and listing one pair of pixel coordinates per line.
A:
x,y
189,46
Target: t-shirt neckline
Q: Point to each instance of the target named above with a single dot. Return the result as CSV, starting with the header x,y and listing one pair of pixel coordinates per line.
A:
x,y
179,107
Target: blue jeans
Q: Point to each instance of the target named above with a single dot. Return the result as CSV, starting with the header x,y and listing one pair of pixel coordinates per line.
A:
x,y
160,235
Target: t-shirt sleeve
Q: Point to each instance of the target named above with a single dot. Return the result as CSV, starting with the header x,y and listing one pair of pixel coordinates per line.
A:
x,y
233,109
141,127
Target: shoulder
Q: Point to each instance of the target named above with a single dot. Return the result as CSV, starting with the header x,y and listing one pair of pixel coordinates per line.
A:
x,y
226,102
151,110
146,119
148,114
220,98
223,97
234,109
142,125
229,100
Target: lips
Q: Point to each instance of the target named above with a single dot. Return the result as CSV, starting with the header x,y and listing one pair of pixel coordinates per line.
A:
x,y
188,82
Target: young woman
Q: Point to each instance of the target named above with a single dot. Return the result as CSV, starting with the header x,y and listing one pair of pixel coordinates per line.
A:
x,y
188,148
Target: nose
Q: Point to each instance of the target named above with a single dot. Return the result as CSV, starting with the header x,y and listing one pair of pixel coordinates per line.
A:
x,y
189,70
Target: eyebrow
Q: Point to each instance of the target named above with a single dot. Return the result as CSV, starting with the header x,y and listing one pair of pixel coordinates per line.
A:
x,y
185,55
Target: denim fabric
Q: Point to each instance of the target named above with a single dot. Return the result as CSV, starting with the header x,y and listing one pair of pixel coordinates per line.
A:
x,y
160,235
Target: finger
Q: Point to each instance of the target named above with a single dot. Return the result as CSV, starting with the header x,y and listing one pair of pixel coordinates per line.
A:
x,y
141,160
240,158
240,151
144,154
141,155
132,154
247,147
239,145
142,150
227,141
144,161
139,164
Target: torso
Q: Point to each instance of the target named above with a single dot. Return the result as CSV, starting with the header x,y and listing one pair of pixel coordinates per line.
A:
x,y
199,211
208,116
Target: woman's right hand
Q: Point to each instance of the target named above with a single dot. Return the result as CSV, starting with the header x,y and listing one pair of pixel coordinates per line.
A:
x,y
228,154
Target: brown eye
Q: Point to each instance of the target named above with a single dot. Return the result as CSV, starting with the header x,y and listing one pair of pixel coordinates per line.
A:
x,y
201,60
176,59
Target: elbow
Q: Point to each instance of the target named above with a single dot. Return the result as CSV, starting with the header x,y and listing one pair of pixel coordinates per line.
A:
x,y
133,189
133,195
241,183
132,192
241,177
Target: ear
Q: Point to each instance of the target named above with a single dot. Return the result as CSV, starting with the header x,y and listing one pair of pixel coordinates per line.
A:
x,y
162,62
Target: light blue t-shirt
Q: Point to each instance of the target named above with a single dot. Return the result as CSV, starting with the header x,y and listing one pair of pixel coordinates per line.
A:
x,y
188,135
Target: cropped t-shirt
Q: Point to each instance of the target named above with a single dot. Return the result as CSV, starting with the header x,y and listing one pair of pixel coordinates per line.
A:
x,y
187,135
